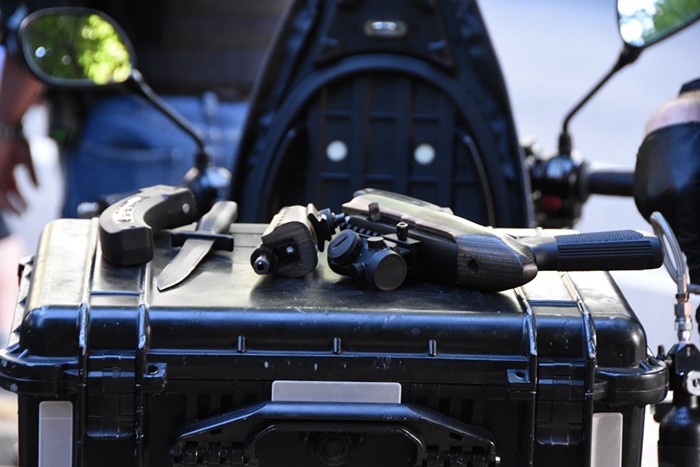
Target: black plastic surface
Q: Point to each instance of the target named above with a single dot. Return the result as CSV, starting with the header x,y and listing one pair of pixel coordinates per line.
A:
x,y
423,429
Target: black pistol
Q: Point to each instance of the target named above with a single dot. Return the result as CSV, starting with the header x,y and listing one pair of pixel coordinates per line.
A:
x,y
437,245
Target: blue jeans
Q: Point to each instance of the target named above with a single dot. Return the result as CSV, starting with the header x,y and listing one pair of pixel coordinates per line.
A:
x,y
127,144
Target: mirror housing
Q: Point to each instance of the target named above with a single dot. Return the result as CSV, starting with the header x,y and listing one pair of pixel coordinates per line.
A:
x,y
76,47
643,23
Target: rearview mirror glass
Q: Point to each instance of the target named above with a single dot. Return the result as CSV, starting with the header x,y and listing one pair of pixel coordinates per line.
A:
x,y
645,22
75,47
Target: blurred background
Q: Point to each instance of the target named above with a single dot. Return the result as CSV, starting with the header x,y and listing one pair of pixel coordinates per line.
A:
x,y
552,53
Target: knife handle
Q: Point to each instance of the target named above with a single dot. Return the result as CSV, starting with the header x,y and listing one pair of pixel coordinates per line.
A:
x,y
127,226
219,218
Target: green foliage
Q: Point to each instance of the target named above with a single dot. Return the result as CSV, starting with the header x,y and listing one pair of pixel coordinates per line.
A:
x,y
672,14
78,47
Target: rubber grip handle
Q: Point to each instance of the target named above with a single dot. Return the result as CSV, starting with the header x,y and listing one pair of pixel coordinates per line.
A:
x,y
127,226
219,218
613,183
598,251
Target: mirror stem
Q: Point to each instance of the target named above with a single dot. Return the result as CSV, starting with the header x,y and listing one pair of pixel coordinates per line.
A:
x,y
136,78
627,56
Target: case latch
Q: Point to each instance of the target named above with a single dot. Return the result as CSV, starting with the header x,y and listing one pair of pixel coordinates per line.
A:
x,y
110,402
111,396
560,391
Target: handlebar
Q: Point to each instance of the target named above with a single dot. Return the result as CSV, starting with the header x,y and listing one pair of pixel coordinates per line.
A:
x,y
607,182
563,184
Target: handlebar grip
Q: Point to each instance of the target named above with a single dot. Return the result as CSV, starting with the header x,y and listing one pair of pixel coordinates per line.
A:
x,y
597,251
609,182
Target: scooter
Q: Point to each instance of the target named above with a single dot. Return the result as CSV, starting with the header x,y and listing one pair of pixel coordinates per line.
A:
x,y
561,177
561,184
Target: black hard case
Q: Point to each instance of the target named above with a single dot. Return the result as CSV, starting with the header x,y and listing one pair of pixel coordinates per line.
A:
x,y
185,376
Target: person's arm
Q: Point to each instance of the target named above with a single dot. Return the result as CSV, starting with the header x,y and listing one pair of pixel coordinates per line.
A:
x,y
18,91
682,109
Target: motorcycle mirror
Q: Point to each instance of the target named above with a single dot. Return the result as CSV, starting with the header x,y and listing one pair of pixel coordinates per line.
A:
x,y
645,22
72,47
84,48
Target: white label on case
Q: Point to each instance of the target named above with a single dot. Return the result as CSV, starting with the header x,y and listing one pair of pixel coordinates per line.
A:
x,y
336,391
55,434
606,445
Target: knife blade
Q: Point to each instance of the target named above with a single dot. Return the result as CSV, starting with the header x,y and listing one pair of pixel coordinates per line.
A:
x,y
211,232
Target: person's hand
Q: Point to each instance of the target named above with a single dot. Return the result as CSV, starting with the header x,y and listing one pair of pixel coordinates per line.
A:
x,y
14,152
